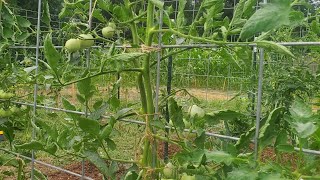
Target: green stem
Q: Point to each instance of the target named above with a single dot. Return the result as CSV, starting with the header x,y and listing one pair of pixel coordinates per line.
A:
x,y
142,93
173,93
101,38
134,3
20,168
99,74
135,38
168,55
166,139
195,19
134,19
147,84
201,39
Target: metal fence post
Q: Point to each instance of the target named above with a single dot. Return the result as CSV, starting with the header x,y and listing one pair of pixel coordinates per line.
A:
x,y
154,147
35,94
258,112
169,83
87,66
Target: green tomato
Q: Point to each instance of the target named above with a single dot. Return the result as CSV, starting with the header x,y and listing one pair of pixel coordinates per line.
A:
x,y
4,95
9,95
112,24
14,109
2,113
73,45
168,170
86,40
108,32
195,110
187,177
8,113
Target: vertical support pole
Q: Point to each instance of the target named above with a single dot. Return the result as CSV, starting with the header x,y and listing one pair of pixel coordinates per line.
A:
x,y
169,82
154,147
88,66
253,78
258,112
35,93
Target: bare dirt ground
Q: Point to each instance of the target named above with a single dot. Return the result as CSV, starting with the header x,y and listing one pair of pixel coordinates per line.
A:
x,y
132,93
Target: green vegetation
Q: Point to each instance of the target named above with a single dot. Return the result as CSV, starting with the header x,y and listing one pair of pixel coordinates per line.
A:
x,y
100,136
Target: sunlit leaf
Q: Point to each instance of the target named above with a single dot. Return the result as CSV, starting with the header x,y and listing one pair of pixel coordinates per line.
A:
x,y
305,130
269,17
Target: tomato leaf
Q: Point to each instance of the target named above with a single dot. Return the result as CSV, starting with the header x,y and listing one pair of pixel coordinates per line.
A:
x,y
237,14
96,115
300,109
176,114
97,13
275,47
225,115
7,32
159,4
180,16
245,138
219,157
22,36
95,159
85,87
305,130
90,126
111,144
122,113
131,175
46,14
285,148
242,174
33,145
67,104
23,22
269,124
52,55
269,17
249,7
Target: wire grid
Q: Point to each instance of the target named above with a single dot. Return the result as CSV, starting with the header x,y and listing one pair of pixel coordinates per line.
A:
x,y
206,62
